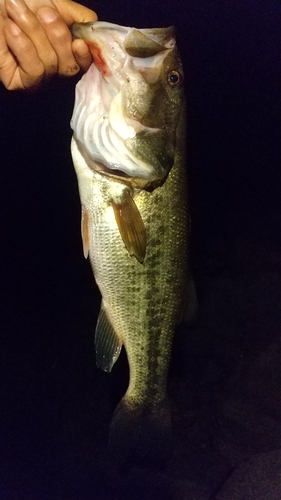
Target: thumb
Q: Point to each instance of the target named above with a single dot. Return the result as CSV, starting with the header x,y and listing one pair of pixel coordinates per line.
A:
x,y
73,12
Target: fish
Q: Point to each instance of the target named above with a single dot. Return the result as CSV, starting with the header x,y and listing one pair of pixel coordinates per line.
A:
x,y
129,153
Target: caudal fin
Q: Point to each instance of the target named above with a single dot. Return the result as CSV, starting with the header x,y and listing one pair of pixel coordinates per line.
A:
x,y
141,434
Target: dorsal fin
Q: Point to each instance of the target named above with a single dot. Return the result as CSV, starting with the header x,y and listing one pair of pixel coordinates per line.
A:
x,y
107,343
131,226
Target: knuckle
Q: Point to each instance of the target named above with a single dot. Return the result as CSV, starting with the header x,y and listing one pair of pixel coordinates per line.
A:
x,y
36,73
49,61
39,72
51,67
32,82
59,34
28,21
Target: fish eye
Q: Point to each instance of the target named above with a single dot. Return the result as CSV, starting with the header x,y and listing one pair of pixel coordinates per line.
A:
x,y
174,78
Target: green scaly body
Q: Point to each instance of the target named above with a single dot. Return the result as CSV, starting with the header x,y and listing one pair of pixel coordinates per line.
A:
x,y
144,302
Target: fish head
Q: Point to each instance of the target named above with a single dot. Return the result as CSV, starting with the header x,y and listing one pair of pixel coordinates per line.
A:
x,y
127,105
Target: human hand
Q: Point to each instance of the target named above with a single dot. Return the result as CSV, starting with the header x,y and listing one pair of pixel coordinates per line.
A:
x,y
35,41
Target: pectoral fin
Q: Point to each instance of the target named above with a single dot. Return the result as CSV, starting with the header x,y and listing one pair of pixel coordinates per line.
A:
x,y
84,232
107,343
131,226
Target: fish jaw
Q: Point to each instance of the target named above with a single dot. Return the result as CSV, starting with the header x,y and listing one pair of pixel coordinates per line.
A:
x,y
126,112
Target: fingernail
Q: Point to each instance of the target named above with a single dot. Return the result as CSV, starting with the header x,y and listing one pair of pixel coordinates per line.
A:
x,y
47,14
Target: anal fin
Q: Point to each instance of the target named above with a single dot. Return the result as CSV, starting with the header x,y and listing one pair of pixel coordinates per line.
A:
x,y
107,343
131,226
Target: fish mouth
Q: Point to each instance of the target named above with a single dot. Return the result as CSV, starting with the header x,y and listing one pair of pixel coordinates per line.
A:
x,y
105,170
117,121
137,43
113,139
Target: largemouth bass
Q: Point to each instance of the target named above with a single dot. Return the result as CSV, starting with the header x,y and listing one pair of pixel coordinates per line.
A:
x,y
128,150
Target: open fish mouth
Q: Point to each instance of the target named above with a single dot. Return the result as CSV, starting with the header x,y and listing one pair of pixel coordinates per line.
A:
x,y
141,43
121,114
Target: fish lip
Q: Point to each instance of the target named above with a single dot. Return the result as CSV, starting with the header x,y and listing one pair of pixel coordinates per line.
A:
x,y
138,125
105,25
75,28
104,169
165,35
119,27
135,183
99,166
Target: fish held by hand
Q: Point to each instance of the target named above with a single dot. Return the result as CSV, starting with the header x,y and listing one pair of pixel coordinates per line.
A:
x,y
128,149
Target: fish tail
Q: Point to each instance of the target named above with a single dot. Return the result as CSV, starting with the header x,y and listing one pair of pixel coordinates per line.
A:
x,y
141,434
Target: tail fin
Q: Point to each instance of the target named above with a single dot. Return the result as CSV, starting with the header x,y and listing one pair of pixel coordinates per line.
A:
x,y
141,434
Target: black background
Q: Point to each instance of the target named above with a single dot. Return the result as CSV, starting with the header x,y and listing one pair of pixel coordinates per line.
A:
x,y
57,406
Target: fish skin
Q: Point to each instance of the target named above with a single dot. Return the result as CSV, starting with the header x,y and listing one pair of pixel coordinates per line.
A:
x,y
143,299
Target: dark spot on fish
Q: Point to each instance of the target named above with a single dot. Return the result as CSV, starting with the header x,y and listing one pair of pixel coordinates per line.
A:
x,y
157,253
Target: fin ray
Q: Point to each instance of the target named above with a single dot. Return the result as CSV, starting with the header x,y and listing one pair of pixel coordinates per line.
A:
x,y
85,232
107,343
131,226
140,433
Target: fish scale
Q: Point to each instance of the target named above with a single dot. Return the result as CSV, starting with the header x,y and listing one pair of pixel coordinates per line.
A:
x,y
144,302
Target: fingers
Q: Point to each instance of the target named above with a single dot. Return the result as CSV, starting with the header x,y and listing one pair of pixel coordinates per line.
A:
x,y
20,66
67,50
60,39
82,54
73,12
31,27
48,33
35,40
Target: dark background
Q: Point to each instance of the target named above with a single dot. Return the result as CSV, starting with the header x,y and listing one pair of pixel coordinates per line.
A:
x,y
56,404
